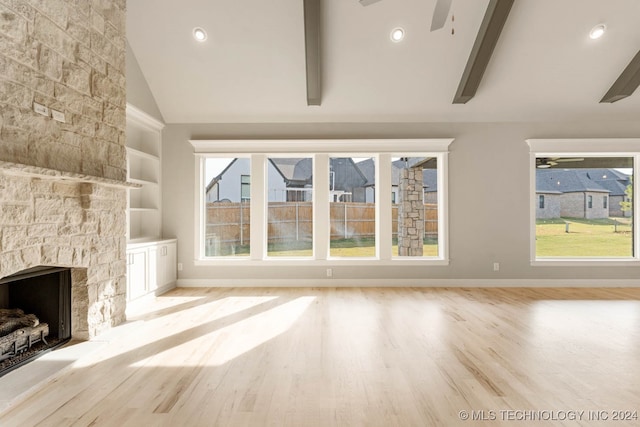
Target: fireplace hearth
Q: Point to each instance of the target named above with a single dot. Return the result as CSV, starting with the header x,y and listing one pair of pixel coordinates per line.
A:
x,y
39,300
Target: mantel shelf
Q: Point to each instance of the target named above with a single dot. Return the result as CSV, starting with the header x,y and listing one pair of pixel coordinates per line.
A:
x,y
46,173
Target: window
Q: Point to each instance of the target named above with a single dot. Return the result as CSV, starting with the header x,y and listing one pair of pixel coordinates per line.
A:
x,y
572,227
352,209
290,207
226,213
415,216
312,207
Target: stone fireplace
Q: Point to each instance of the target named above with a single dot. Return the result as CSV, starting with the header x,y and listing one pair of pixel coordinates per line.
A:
x,y
63,164
62,223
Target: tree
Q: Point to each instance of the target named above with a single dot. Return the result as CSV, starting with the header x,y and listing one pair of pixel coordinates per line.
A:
x,y
627,204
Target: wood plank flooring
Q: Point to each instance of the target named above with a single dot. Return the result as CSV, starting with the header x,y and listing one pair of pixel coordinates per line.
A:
x,y
358,357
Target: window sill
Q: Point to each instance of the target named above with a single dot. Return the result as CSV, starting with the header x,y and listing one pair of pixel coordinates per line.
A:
x,y
306,262
585,262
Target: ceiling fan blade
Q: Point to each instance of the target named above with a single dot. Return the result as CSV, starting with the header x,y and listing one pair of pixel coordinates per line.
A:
x,y
440,14
368,2
568,159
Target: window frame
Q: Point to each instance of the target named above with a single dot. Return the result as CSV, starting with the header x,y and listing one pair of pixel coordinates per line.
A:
x,y
266,256
579,147
321,150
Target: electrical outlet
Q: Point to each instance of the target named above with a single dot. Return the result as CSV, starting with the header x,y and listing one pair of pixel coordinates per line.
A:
x,y
179,266
40,109
57,115
496,266
329,272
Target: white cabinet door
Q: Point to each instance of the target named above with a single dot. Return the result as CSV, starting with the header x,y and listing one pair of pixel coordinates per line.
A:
x,y
136,273
167,263
151,266
155,264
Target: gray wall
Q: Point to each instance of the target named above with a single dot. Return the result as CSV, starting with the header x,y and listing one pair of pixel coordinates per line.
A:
x,y
486,225
138,92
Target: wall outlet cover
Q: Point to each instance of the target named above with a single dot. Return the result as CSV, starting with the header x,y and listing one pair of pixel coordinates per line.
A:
x,y
40,109
58,116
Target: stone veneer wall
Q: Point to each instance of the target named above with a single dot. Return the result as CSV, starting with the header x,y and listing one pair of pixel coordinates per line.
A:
x,y
410,213
69,224
68,55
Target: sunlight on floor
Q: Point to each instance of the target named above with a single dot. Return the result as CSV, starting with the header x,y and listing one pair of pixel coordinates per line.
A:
x,y
585,322
235,339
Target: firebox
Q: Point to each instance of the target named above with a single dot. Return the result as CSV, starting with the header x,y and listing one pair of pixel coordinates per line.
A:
x,y
36,307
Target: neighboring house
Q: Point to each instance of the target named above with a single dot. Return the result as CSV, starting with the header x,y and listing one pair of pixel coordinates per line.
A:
x,y
347,183
289,179
296,175
233,184
429,179
616,182
579,193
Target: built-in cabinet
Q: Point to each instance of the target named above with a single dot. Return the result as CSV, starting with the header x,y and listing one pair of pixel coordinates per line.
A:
x,y
151,260
151,268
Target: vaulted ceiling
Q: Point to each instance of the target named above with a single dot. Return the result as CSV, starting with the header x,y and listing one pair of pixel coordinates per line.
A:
x,y
252,67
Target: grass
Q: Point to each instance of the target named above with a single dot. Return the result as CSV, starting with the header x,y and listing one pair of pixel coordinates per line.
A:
x,y
348,248
586,237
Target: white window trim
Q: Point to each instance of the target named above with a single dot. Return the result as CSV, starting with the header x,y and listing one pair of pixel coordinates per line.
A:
x,y
321,150
582,147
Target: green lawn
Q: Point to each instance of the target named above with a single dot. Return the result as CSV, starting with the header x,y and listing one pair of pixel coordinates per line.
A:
x,y
586,238
349,248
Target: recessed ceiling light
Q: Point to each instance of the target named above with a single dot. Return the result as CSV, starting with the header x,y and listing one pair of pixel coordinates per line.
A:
x,y
397,34
199,34
597,31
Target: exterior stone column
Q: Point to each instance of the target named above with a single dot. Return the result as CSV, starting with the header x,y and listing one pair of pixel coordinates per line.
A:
x,y
410,213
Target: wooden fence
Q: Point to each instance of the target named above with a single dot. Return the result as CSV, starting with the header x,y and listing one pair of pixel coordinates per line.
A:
x,y
228,223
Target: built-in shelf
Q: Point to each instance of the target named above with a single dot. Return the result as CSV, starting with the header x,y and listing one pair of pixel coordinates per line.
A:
x,y
134,152
141,182
143,166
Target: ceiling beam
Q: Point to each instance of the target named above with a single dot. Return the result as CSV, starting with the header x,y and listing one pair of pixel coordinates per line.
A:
x,y
486,40
312,51
626,84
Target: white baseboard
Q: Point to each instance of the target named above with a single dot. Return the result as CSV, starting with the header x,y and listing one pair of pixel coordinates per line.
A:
x,y
424,283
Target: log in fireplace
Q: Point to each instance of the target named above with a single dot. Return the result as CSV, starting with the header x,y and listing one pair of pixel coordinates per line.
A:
x,y
37,305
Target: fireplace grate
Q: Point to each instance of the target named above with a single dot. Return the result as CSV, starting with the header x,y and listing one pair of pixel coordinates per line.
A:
x,y
21,340
46,293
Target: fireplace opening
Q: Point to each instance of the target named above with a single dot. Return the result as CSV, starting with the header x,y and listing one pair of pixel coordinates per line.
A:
x,y
35,314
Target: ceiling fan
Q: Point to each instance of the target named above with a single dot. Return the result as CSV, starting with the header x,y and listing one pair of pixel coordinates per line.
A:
x,y
440,13
547,162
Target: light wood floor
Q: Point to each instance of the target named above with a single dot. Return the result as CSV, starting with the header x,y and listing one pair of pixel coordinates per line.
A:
x,y
355,357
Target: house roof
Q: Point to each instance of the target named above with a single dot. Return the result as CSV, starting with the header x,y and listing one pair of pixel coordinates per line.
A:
x,y
298,171
613,180
218,177
580,180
